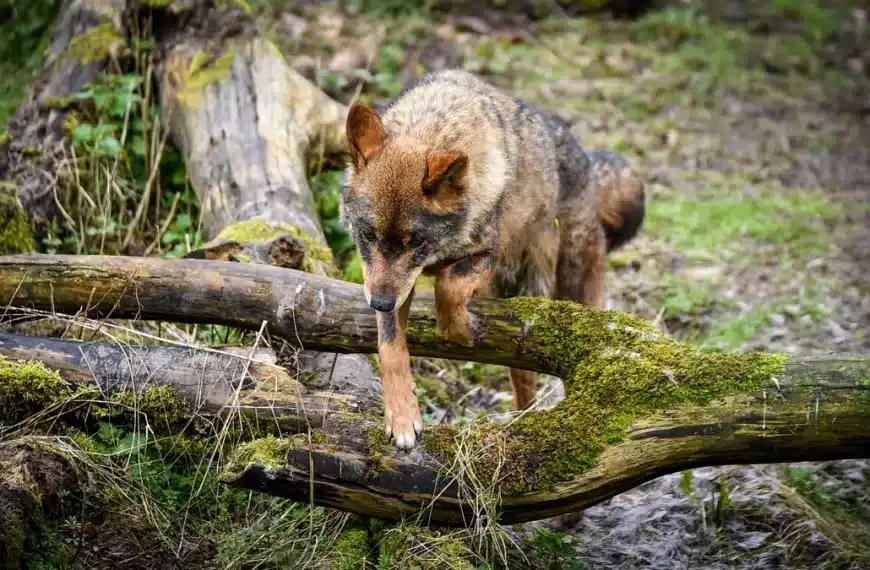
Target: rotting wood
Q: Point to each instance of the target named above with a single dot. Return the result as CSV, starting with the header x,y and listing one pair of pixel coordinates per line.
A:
x,y
33,473
816,409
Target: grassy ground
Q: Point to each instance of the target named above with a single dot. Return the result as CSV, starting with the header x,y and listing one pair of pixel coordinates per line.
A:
x,y
756,152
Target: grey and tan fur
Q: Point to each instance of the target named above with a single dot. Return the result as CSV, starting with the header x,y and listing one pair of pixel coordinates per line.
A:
x,y
492,196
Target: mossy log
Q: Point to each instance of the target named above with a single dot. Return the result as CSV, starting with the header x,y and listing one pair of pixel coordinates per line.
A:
x,y
638,405
214,382
33,473
84,38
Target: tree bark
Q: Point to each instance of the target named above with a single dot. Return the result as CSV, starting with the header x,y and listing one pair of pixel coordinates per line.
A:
x,y
307,311
816,409
247,123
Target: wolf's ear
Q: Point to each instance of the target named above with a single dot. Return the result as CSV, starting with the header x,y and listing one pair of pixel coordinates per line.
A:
x,y
445,175
366,134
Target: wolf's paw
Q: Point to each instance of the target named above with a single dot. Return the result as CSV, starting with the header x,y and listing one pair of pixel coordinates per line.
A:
x,y
404,424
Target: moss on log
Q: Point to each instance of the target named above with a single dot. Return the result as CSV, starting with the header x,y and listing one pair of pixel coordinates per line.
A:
x,y
213,383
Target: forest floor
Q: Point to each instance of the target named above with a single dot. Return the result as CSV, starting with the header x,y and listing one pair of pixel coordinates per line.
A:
x,y
752,126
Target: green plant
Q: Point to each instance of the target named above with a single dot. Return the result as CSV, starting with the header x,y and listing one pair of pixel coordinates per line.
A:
x,y
326,188
127,187
552,551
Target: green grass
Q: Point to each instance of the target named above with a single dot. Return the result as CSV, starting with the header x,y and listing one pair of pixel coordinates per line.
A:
x,y
729,219
690,298
840,509
730,334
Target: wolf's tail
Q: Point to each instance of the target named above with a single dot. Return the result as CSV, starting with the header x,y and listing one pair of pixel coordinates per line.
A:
x,y
622,199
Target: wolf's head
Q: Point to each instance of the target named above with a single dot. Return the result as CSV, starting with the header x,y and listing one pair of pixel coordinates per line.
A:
x,y
403,203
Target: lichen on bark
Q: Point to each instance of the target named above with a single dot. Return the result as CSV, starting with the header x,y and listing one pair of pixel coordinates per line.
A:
x,y
96,44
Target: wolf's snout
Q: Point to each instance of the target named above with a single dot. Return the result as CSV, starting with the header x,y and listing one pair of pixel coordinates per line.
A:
x,y
385,303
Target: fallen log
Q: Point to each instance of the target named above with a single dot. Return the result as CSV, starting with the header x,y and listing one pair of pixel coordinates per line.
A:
x,y
810,412
637,405
312,311
215,383
246,123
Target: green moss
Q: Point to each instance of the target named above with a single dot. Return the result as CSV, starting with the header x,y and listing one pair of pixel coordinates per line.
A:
x,y
616,368
27,388
378,444
161,404
95,44
5,137
269,451
85,442
204,71
56,102
351,550
353,272
318,257
15,234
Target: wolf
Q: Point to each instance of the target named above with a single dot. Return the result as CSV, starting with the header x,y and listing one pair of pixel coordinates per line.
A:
x,y
488,194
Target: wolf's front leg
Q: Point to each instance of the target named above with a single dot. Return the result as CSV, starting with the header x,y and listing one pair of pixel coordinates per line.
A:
x,y
454,286
401,412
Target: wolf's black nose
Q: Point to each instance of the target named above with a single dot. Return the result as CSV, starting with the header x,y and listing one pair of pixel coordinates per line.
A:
x,y
384,303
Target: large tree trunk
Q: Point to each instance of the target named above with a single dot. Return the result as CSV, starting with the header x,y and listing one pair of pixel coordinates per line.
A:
x,y
808,409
